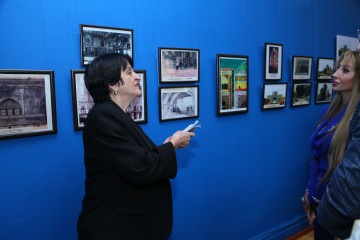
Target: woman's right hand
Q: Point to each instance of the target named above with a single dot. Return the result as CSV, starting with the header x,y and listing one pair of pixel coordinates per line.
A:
x,y
308,208
180,139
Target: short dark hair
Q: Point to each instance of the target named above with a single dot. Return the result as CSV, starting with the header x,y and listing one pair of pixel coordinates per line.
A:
x,y
104,71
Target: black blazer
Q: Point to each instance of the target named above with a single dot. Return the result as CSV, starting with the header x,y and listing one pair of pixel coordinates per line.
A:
x,y
127,187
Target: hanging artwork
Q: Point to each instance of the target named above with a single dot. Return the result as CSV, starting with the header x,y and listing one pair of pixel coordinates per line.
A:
x,y
27,103
179,65
324,92
301,94
232,84
97,40
273,61
83,102
325,68
178,102
274,96
301,68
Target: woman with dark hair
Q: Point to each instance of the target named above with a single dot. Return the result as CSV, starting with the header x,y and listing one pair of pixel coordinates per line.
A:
x,y
127,187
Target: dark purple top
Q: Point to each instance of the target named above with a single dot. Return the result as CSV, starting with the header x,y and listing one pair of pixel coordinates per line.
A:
x,y
319,144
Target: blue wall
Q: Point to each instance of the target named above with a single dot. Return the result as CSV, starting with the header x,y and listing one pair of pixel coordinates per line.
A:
x,y
243,175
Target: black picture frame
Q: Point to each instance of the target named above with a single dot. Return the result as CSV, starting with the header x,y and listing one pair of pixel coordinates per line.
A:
x,y
27,103
301,68
325,68
324,92
273,59
98,40
178,102
232,88
274,96
179,65
81,98
137,109
301,94
83,102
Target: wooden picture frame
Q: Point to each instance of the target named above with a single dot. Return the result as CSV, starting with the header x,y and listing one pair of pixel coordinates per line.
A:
x,y
232,84
27,103
273,61
274,96
325,68
83,102
301,68
301,94
180,102
98,40
324,92
179,65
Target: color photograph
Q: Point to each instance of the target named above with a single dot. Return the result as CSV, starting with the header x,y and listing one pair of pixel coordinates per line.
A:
x,y
274,96
301,94
324,92
232,84
179,65
325,68
273,61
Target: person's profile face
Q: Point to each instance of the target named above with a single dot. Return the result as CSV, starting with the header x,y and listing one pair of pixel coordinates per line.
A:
x,y
344,76
131,83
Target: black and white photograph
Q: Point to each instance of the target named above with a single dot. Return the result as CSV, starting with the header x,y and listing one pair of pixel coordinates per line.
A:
x,y
82,101
273,61
325,68
137,109
97,40
27,103
324,92
274,96
301,68
179,65
178,102
301,94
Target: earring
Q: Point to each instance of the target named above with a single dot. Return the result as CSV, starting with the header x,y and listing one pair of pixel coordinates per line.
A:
x,y
115,93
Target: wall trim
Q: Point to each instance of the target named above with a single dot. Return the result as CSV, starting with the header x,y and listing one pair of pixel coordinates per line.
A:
x,y
286,229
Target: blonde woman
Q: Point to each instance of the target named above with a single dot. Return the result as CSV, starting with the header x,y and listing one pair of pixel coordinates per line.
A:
x,y
329,141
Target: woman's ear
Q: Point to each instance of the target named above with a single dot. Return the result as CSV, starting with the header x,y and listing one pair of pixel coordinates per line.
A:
x,y
114,89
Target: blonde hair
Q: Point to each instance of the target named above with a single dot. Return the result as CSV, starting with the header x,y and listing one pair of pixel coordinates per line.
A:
x,y
341,135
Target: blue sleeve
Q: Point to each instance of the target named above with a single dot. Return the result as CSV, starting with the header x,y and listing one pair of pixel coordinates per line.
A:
x,y
340,205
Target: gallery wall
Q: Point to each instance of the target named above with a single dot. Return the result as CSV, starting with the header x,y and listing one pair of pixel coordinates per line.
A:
x,y
242,176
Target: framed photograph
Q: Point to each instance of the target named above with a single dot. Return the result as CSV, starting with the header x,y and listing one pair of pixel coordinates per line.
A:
x,y
97,40
27,103
344,43
301,94
232,84
83,102
179,65
178,102
324,92
137,109
273,61
325,68
301,68
274,96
